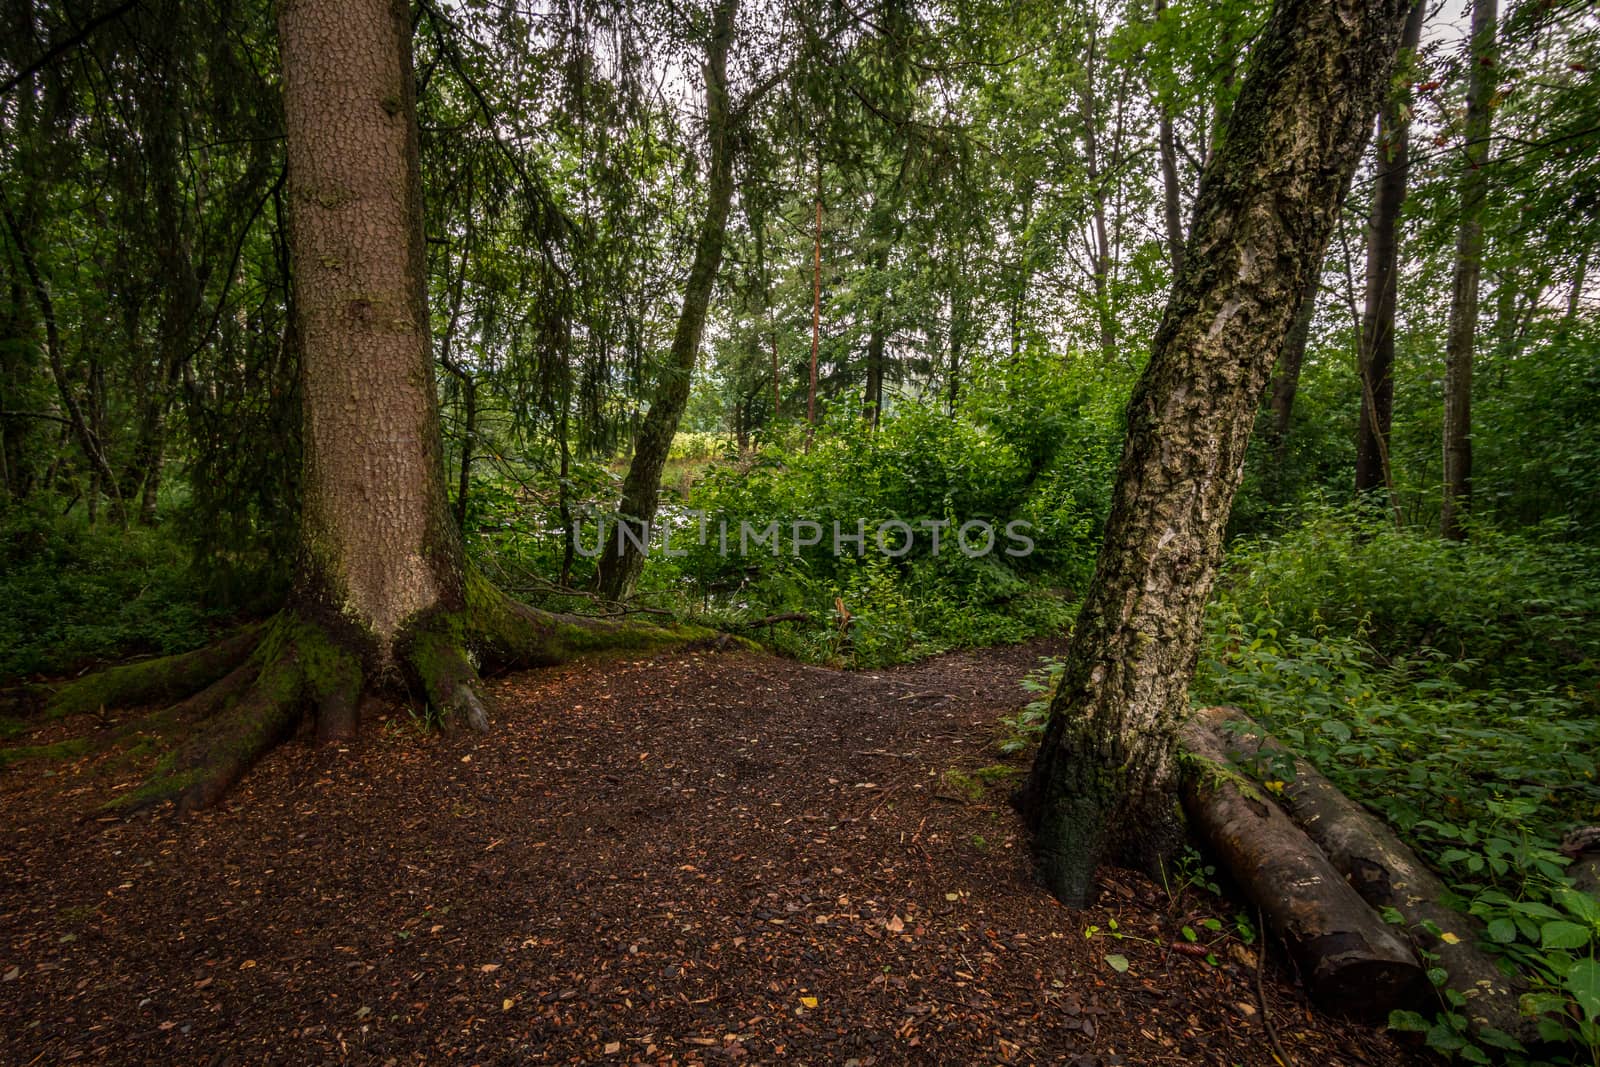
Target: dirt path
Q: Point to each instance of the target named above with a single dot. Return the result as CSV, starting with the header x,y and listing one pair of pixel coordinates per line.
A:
x,y
694,858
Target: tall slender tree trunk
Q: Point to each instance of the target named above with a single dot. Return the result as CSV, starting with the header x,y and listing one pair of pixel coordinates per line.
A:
x,y
641,489
1463,329
877,332
1383,278
1103,781
816,310
1100,255
1286,377
1575,292
1171,197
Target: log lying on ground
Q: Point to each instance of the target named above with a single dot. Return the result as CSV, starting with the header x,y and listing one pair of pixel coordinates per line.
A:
x,y
1582,845
1380,867
1351,961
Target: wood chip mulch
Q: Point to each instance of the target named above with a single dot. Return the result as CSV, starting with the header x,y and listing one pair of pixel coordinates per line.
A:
x,y
698,857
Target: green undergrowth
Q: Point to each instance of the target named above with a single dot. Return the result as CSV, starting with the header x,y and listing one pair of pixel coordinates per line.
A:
x,y
72,596
1450,688
1036,445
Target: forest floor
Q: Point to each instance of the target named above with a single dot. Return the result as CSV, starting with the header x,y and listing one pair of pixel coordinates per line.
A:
x,y
697,857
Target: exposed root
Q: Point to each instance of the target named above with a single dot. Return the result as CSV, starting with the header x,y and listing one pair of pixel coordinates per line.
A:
x,y
509,633
246,713
448,678
155,681
241,697
217,696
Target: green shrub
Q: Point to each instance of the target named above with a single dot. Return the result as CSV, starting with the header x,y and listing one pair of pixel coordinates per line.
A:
x,y
71,596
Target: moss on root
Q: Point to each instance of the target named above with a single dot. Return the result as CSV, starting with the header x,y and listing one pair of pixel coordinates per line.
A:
x,y
510,633
295,666
240,698
71,748
155,681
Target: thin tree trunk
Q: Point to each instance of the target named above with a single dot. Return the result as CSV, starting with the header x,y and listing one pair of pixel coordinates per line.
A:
x,y
816,311
959,313
1171,203
1103,782
1468,267
82,429
1101,253
877,334
1286,379
1575,294
772,326
1383,279
622,561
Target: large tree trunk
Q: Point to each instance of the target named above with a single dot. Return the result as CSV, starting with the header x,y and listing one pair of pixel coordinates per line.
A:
x,y
1383,280
378,546
1468,267
1104,777
382,592
641,489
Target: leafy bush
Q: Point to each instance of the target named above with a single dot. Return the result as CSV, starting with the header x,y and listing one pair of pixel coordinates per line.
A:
x,y
921,466
71,596
1509,609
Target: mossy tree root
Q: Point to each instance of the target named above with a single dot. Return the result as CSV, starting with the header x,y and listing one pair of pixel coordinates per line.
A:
x,y
241,697
154,681
294,668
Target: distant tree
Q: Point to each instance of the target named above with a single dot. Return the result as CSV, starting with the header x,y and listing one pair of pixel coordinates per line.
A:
x,y
1383,278
1483,57
1104,778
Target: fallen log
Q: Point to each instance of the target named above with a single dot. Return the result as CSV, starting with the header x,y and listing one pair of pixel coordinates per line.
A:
x,y
1350,960
1384,871
1582,845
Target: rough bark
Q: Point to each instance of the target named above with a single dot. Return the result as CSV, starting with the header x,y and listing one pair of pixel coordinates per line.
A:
x,y
1383,279
641,489
1379,867
1104,777
377,544
1351,961
1462,335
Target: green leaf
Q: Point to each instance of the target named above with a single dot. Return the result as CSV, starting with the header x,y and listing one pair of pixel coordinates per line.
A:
x,y
1499,1039
1562,934
1118,963
1502,930
1583,982
1582,905
1408,1021
1441,1038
